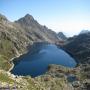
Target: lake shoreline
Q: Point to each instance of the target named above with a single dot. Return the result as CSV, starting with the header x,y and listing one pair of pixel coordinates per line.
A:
x,y
70,53
12,59
48,50
19,55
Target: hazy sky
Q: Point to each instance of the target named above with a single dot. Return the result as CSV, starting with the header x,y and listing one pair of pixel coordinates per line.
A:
x,y
69,16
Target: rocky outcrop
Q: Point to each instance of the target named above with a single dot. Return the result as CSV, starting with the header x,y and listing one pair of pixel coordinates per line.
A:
x,y
62,36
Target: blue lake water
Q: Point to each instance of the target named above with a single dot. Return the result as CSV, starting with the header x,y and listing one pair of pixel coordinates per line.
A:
x,y
36,61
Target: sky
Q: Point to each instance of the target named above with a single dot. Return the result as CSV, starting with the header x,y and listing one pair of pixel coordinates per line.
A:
x,y
68,16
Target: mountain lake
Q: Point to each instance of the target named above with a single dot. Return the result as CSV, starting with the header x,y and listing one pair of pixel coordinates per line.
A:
x,y
40,55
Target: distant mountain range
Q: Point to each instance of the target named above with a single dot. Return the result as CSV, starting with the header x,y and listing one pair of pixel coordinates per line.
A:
x,y
84,31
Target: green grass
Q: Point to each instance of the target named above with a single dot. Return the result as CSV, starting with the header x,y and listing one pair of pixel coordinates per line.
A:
x,y
6,48
5,78
6,53
4,63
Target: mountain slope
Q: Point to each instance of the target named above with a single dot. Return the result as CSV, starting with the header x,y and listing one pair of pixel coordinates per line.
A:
x,y
79,46
13,41
36,31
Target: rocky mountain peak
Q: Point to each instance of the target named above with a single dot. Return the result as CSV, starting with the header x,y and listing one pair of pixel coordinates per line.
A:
x,y
28,17
27,20
62,36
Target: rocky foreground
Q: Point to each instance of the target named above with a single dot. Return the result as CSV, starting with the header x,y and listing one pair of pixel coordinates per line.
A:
x,y
56,78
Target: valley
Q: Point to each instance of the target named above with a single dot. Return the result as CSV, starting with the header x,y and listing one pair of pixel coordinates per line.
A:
x,y
16,38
